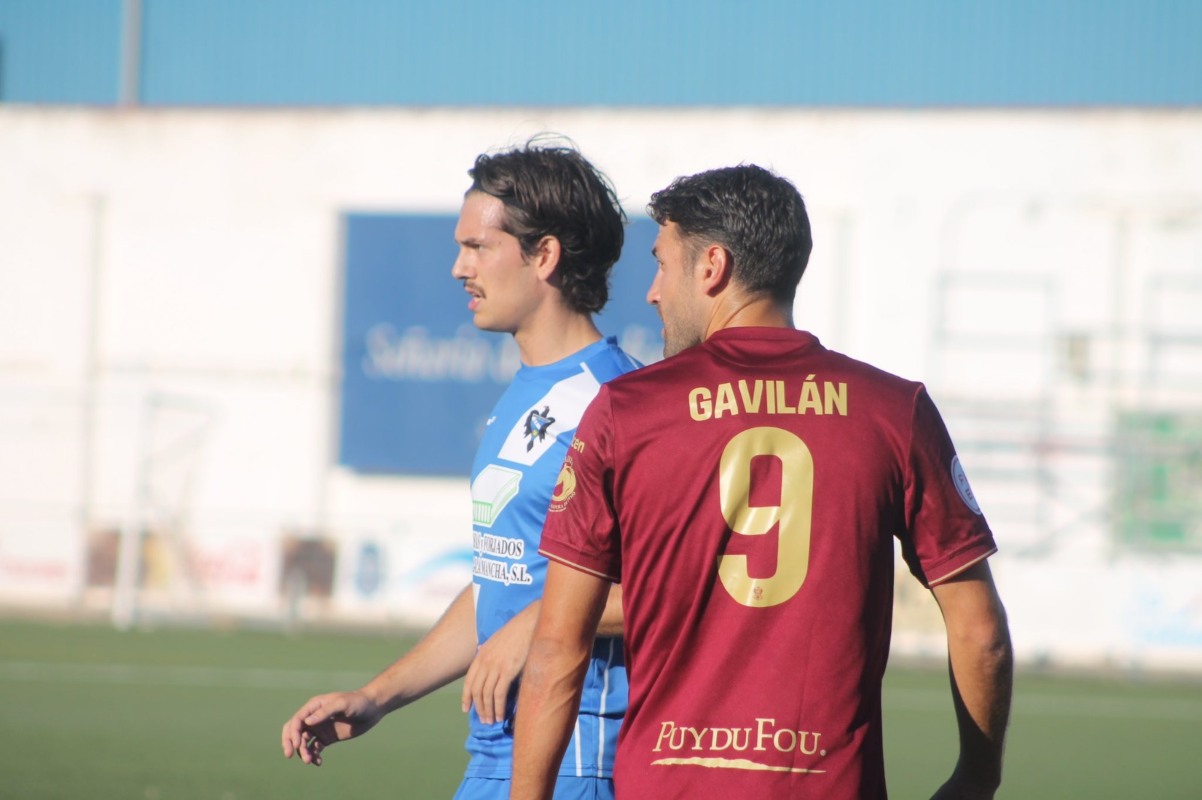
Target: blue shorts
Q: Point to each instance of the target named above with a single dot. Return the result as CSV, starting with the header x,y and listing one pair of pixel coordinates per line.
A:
x,y
566,788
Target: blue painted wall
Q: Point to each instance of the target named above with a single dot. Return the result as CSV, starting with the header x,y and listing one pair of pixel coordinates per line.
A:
x,y
60,51
862,53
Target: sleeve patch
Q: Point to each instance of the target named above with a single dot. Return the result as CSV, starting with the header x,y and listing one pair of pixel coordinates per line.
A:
x,y
965,491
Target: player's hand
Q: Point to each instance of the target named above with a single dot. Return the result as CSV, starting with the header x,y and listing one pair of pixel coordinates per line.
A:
x,y
326,719
498,663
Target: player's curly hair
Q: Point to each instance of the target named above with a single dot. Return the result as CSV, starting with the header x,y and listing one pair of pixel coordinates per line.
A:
x,y
550,189
758,216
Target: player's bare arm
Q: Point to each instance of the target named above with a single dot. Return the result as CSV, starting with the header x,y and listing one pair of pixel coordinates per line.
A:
x,y
982,675
442,656
572,606
500,660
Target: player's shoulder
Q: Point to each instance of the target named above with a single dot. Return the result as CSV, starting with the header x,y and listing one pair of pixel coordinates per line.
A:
x,y
607,360
660,373
872,374
887,393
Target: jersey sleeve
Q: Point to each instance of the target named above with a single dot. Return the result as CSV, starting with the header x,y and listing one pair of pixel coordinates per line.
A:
x,y
581,528
945,531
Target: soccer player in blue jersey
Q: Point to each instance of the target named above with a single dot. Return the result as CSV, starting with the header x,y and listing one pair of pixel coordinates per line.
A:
x,y
539,230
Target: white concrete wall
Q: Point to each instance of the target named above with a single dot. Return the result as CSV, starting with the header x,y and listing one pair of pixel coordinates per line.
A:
x,y
169,300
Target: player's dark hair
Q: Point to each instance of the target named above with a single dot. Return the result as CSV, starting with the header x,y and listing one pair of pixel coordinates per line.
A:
x,y
552,190
758,216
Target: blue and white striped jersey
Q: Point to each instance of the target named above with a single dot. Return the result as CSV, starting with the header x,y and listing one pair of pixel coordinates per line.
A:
x,y
513,478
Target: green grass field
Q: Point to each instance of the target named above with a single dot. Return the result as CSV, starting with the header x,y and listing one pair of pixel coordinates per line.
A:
x,y
89,712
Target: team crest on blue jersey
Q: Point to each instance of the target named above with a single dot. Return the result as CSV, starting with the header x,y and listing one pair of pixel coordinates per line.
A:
x,y
537,425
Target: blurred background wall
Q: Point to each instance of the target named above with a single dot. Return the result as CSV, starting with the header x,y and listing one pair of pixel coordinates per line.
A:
x,y
229,338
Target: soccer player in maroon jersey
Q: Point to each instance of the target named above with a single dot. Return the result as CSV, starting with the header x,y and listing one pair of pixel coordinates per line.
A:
x,y
746,491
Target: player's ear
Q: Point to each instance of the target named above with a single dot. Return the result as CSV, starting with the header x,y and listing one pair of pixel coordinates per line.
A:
x,y
715,268
546,256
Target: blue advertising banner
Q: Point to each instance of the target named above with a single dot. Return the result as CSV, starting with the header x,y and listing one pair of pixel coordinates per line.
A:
x,y
418,378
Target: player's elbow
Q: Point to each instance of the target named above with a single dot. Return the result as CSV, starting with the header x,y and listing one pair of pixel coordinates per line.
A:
x,y
986,638
975,617
555,665
552,648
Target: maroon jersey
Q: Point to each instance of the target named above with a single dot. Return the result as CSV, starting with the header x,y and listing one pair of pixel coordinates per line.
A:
x,y
746,493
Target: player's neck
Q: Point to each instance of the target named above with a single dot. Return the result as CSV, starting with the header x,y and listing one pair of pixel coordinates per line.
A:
x,y
740,311
555,336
